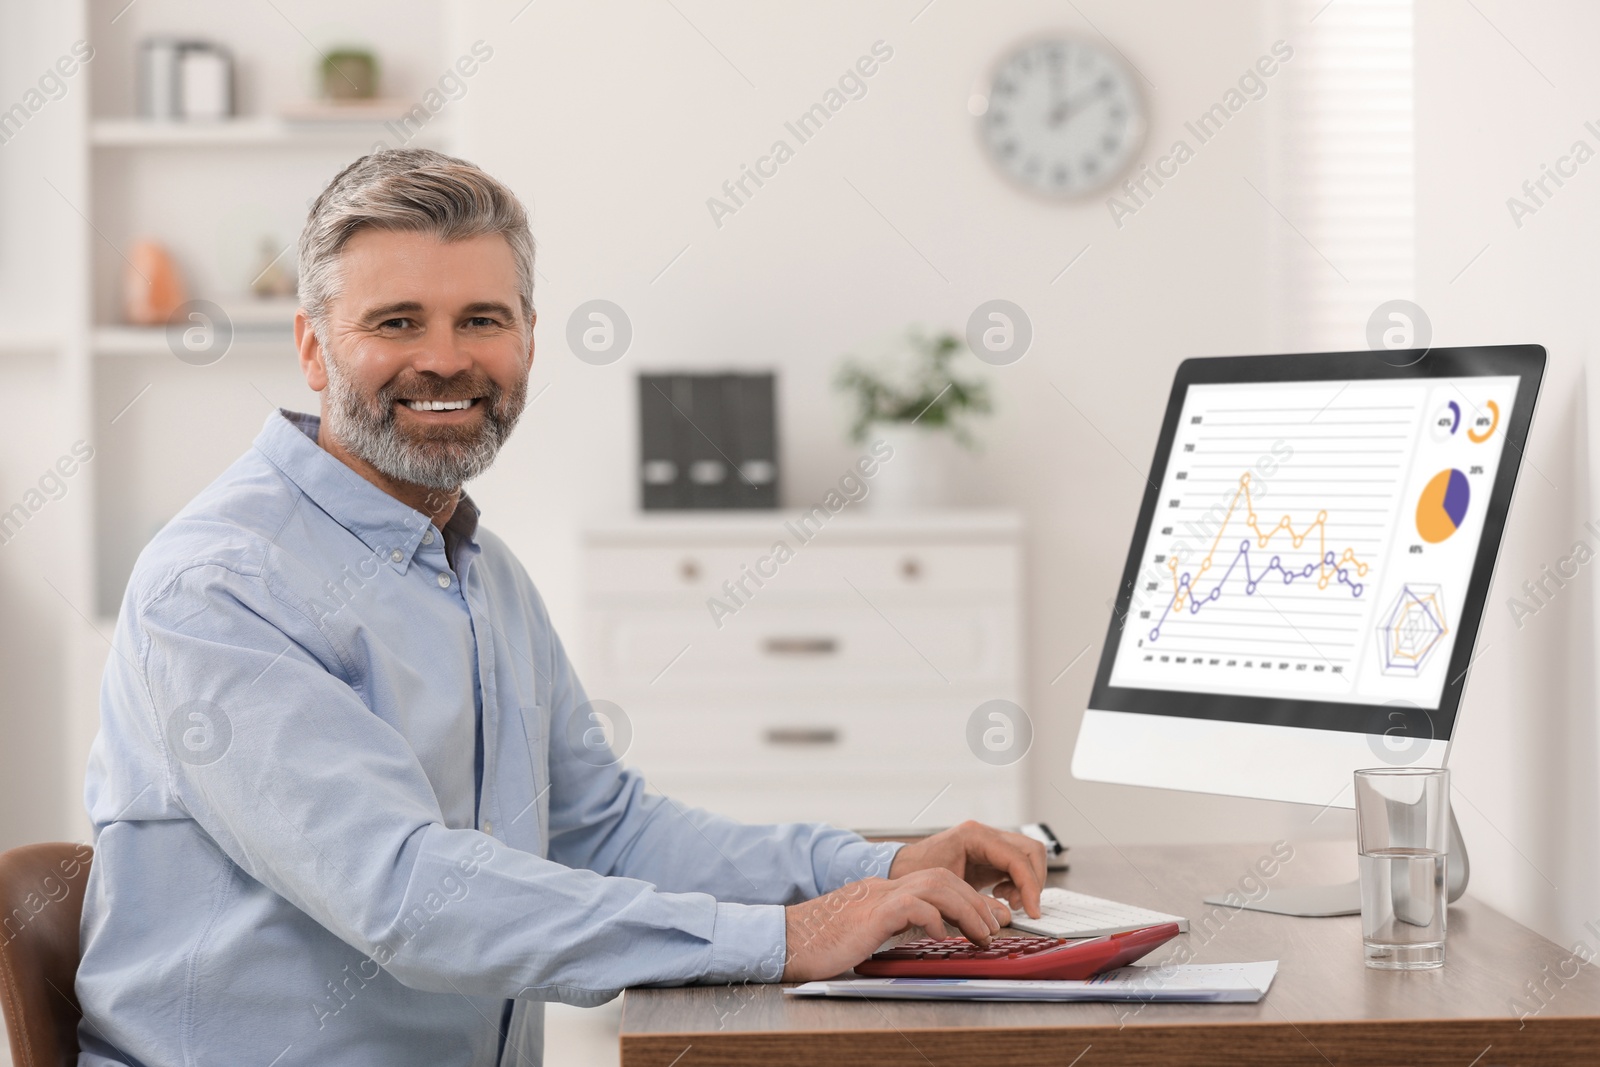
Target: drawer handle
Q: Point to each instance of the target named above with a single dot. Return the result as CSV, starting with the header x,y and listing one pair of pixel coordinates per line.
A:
x,y
689,570
800,646
802,735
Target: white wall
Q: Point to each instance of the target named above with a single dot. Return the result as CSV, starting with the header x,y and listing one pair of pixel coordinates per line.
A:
x,y
1498,94
617,121
39,587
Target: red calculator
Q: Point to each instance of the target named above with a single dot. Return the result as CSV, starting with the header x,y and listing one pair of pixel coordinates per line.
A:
x,y
1015,957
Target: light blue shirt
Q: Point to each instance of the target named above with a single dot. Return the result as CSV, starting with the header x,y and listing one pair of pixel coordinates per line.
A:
x,y
297,860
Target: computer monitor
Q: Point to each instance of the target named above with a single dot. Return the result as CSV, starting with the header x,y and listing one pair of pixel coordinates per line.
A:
x,y
1304,587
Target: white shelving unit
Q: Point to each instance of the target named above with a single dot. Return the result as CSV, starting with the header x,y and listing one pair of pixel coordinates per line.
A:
x,y
213,194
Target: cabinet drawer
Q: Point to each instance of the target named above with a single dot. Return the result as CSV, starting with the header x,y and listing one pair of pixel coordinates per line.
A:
x,y
749,571
850,800
790,735
773,646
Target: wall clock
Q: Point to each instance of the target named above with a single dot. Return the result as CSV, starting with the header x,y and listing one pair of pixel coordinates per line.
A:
x,y
1061,116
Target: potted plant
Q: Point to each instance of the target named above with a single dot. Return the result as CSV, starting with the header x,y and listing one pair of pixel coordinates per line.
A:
x,y
908,395
349,74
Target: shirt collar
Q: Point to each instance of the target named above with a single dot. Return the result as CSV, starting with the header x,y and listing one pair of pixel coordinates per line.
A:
x,y
384,524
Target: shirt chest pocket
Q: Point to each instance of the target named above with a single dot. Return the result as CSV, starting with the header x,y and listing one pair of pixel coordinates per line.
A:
x,y
525,781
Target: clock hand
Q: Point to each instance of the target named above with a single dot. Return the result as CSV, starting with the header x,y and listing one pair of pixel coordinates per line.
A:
x,y
1071,106
1058,91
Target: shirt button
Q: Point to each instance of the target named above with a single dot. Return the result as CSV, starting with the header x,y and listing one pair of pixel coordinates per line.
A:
x,y
427,538
397,555
444,581
488,826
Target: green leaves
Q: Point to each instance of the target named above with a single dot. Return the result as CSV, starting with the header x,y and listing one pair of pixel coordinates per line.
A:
x,y
923,390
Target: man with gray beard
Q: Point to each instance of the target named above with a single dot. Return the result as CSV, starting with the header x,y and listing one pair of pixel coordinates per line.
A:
x,y
387,833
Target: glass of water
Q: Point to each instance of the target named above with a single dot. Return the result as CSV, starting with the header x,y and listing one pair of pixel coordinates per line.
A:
x,y
1402,819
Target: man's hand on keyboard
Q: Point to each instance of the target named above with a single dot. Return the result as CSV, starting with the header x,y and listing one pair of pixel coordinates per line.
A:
x,y
834,932
981,856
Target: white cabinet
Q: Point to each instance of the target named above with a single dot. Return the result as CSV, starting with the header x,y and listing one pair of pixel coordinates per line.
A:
x,y
831,679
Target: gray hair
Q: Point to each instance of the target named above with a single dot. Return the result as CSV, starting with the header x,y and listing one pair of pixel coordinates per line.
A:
x,y
408,189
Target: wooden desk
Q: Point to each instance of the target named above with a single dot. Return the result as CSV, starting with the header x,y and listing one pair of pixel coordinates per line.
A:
x,y
1325,1007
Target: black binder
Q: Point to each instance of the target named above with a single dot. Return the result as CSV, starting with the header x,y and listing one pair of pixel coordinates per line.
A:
x,y
752,416
707,441
663,474
711,471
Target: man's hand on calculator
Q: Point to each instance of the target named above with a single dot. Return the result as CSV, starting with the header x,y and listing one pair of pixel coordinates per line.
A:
x,y
930,882
981,856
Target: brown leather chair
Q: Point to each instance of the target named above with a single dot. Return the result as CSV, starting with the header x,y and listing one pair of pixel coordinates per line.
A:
x,y
41,900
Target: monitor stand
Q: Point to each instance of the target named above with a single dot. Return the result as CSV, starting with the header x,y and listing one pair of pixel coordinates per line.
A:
x,y
1321,901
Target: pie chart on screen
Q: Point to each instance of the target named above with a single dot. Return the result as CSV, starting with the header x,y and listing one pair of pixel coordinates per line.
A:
x,y
1443,506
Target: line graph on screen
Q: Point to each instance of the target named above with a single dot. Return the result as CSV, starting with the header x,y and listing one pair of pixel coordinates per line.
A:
x,y
1257,568
1325,567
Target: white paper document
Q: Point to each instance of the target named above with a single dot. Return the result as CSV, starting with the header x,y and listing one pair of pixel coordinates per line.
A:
x,y
1214,983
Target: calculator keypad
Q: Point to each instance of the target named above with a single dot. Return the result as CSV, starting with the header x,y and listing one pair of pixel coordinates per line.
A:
x,y
959,948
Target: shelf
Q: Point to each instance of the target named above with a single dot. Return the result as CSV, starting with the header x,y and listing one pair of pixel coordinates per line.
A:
x,y
256,321
255,132
152,340
25,342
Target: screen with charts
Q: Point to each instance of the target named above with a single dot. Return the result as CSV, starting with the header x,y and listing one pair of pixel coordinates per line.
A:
x,y
1314,540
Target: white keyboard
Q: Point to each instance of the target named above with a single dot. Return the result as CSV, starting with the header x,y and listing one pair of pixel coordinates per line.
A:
x,y
1063,913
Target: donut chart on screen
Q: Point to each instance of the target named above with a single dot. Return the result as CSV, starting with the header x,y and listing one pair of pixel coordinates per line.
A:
x,y
1443,506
